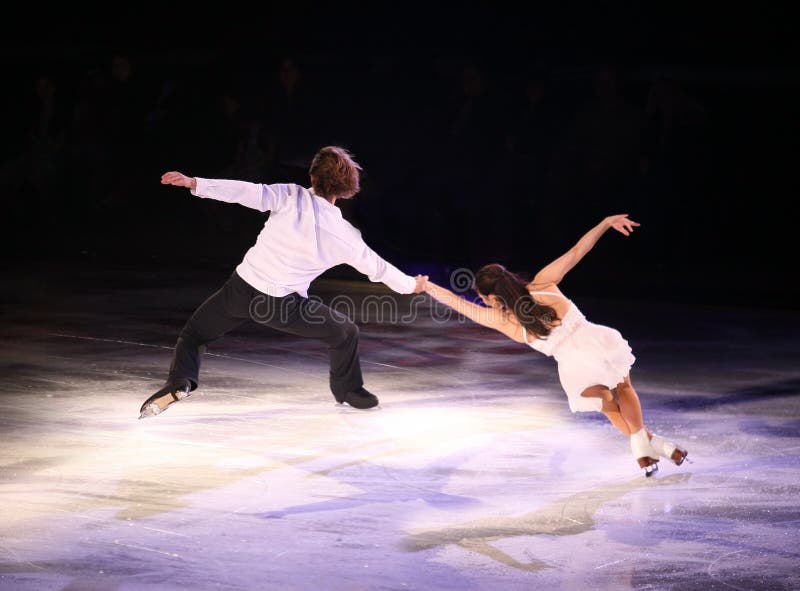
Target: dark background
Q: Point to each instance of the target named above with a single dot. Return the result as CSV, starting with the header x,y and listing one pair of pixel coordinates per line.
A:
x,y
487,132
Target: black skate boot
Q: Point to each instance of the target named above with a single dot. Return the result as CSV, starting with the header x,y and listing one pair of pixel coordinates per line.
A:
x,y
172,392
360,398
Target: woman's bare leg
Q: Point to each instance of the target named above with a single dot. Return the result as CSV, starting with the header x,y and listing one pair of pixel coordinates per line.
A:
x,y
631,410
611,410
610,407
629,405
625,413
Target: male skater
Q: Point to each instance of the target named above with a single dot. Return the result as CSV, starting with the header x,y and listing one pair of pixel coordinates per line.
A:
x,y
304,236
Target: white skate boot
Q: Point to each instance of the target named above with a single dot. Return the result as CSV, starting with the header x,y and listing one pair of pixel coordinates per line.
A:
x,y
645,455
667,449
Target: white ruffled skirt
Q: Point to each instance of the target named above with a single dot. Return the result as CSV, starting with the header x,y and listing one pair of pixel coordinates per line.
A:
x,y
592,355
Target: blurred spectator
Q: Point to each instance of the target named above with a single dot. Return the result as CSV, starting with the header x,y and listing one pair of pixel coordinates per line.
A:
x,y
532,127
106,133
598,163
674,120
232,153
230,134
469,165
475,121
290,130
672,160
31,177
533,123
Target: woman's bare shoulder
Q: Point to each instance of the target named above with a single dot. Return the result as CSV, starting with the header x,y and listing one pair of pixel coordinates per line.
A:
x,y
544,287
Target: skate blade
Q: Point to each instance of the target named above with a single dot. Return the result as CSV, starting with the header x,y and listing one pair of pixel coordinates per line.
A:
x,y
682,456
343,407
149,411
150,408
650,470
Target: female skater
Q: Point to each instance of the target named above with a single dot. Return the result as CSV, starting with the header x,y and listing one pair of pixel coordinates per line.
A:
x,y
594,361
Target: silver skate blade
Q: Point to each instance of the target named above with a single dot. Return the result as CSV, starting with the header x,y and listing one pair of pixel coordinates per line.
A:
x,y
150,410
346,408
650,470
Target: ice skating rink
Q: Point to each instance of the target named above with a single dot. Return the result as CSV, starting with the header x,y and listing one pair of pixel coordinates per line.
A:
x,y
472,474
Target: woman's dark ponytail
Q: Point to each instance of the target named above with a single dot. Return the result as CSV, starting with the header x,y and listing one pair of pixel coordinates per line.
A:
x,y
512,292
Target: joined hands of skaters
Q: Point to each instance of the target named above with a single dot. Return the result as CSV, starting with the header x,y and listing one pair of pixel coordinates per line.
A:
x,y
422,283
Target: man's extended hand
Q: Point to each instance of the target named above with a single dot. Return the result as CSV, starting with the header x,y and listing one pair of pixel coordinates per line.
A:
x,y
178,179
422,281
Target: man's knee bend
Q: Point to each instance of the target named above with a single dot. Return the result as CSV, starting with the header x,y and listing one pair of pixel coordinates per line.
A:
x,y
350,330
189,339
347,331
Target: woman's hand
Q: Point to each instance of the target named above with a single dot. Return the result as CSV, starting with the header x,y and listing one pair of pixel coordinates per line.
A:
x,y
621,223
422,283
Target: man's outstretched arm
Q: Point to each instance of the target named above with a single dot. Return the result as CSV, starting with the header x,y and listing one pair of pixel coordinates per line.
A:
x,y
252,195
377,269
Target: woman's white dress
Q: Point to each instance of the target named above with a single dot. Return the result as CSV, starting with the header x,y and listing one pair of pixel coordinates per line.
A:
x,y
587,355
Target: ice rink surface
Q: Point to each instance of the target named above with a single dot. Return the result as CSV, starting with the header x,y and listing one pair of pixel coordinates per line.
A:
x,y
472,474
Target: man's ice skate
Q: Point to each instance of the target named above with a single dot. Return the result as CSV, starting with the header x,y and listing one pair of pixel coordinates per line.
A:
x,y
171,393
360,398
645,455
667,449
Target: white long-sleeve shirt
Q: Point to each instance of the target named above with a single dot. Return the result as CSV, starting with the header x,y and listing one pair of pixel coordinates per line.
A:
x,y
304,236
